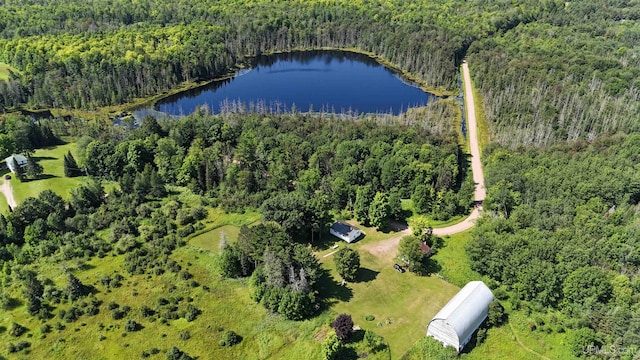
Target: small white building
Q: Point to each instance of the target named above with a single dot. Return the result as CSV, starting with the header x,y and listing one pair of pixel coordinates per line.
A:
x,y
20,159
456,322
345,231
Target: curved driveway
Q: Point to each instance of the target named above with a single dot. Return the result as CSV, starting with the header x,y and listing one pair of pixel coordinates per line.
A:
x,y
390,246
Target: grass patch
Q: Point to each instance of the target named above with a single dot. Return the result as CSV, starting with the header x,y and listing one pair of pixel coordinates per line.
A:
x,y
5,70
52,177
453,259
407,205
210,240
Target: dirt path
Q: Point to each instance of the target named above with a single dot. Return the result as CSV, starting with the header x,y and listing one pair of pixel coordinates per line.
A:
x,y
6,190
389,247
476,164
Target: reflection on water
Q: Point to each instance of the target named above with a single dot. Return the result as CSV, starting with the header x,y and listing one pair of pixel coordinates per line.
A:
x,y
328,81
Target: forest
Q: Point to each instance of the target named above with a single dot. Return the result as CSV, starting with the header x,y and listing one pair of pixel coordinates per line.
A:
x,y
561,240
548,71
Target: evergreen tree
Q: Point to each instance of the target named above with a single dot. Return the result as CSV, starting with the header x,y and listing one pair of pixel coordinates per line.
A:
x,y
33,168
75,288
17,170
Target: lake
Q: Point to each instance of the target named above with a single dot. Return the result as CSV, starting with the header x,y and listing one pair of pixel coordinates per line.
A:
x,y
321,81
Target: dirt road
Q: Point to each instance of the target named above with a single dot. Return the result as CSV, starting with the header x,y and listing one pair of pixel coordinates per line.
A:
x,y
476,164
6,190
389,247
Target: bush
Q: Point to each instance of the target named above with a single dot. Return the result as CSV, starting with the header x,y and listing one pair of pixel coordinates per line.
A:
x,y
176,354
45,329
374,341
17,330
343,325
369,317
147,311
112,305
229,338
184,335
131,326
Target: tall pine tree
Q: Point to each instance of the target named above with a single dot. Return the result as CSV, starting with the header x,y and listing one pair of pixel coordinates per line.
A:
x,y
17,170
33,168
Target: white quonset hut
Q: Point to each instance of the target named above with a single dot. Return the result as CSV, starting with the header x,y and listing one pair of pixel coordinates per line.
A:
x,y
454,324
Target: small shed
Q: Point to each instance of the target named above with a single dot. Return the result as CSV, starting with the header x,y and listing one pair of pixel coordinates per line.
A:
x,y
20,159
456,322
345,231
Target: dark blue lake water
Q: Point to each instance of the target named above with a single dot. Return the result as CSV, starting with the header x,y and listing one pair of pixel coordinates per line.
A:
x,y
328,81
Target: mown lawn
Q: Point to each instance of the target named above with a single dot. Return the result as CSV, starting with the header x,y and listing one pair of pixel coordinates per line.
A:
x,y
402,303
52,177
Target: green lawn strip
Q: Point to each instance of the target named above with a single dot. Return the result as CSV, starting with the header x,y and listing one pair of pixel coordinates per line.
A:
x,y
210,240
4,205
53,177
407,205
453,261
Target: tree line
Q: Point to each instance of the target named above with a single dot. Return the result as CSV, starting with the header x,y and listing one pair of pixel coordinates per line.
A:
x,y
86,54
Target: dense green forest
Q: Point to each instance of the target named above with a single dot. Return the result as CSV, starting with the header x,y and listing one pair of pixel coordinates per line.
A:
x,y
548,70
561,238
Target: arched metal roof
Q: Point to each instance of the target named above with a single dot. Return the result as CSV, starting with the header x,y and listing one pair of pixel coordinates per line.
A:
x,y
462,315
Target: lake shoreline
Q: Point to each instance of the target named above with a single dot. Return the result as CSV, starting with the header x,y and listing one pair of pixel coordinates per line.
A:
x,y
115,111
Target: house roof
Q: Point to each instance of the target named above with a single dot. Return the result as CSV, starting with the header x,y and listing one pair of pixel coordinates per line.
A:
x,y
464,310
343,228
20,159
425,248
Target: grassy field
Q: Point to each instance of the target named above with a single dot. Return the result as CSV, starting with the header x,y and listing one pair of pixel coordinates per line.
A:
x,y
53,177
452,259
4,71
225,305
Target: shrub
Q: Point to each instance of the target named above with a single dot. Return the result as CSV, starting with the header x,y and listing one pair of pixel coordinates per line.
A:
x,y
112,305
17,330
343,325
147,311
184,335
374,341
118,314
45,328
369,317
131,326
229,338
